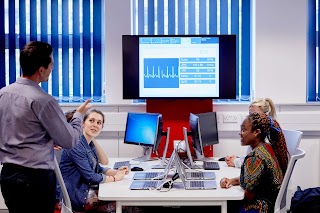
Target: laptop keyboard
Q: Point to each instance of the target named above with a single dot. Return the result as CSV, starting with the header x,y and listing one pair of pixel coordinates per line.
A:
x,y
152,175
209,165
196,174
150,184
196,183
118,164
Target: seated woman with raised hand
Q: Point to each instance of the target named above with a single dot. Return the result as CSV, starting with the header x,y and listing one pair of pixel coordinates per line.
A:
x,y
102,157
264,167
82,172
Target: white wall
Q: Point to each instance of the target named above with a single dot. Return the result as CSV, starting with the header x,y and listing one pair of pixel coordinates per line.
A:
x,y
118,23
281,50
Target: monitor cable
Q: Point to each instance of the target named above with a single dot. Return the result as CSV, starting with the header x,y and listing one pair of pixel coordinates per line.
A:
x,y
166,186
169,183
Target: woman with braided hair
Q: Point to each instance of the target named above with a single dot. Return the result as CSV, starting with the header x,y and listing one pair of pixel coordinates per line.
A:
x,y
261,173
266,106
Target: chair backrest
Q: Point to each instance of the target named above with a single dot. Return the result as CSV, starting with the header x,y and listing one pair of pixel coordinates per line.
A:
x,y
66,203
281,201
293,138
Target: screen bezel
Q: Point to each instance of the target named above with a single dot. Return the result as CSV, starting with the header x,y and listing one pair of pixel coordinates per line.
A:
x,y
204,124
159,134
195,132
141,143
227,63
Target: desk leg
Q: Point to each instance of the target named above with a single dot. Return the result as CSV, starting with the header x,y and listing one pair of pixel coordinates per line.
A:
x,y
119,207
224,207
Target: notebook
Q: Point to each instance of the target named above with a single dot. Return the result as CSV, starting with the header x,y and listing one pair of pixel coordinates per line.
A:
x,y
196,175
154,175
152,184
194,184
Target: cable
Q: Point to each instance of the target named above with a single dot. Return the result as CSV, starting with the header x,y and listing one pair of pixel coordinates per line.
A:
x,y
175,176
169,183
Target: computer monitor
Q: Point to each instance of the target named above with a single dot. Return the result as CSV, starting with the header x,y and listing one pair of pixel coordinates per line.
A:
x,y
203,131
179,66
144,129
162,163
159,135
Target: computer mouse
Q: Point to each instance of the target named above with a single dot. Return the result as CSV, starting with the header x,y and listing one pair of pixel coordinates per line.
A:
x,y
135,168
222,159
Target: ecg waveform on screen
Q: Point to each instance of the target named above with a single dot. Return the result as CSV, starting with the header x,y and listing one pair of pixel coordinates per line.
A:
x,y
158,72
161,72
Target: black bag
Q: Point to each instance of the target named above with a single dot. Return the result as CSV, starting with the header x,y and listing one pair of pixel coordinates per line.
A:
x,y
306,201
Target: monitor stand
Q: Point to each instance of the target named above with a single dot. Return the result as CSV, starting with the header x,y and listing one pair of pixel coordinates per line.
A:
x,y
192,164
146,156
163,164
201,157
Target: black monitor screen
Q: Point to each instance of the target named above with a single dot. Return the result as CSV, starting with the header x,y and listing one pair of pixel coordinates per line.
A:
x,y
208,128
142,128
179,66
204,130
195,132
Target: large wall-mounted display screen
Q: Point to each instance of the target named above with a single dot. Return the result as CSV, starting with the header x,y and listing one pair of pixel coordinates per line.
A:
x,y
185,66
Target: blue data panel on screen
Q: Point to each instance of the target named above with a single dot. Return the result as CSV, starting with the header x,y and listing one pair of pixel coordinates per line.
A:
x,y
179,67
161,73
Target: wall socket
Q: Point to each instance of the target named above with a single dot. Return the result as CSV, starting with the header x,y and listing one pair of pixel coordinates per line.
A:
x,y
231,118
181,143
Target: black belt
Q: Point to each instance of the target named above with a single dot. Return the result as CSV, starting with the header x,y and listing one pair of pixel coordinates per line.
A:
x,y
15,166
22,168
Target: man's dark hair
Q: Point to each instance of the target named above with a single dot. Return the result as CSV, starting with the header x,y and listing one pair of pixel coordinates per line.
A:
x,y
69,115
34,55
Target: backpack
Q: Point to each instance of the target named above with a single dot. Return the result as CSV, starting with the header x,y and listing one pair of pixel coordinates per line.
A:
x,y
306,201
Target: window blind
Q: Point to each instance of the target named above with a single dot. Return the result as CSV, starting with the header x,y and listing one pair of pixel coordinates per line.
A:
x,y
313,51
73,28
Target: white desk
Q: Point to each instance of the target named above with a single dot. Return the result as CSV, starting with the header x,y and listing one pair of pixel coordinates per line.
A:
x,y
119,191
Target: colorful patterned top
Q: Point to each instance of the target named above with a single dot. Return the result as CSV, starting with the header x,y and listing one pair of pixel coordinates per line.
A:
x,y
261,177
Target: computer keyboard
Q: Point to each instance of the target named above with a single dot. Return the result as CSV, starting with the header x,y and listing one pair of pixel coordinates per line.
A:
x,y
150,184
196,174
210,165
196,183
118,164
152,174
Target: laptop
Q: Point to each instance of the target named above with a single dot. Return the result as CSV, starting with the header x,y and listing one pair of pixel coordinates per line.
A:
x,y
154,175
146,184
196,175
153,184
194,184
119,164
